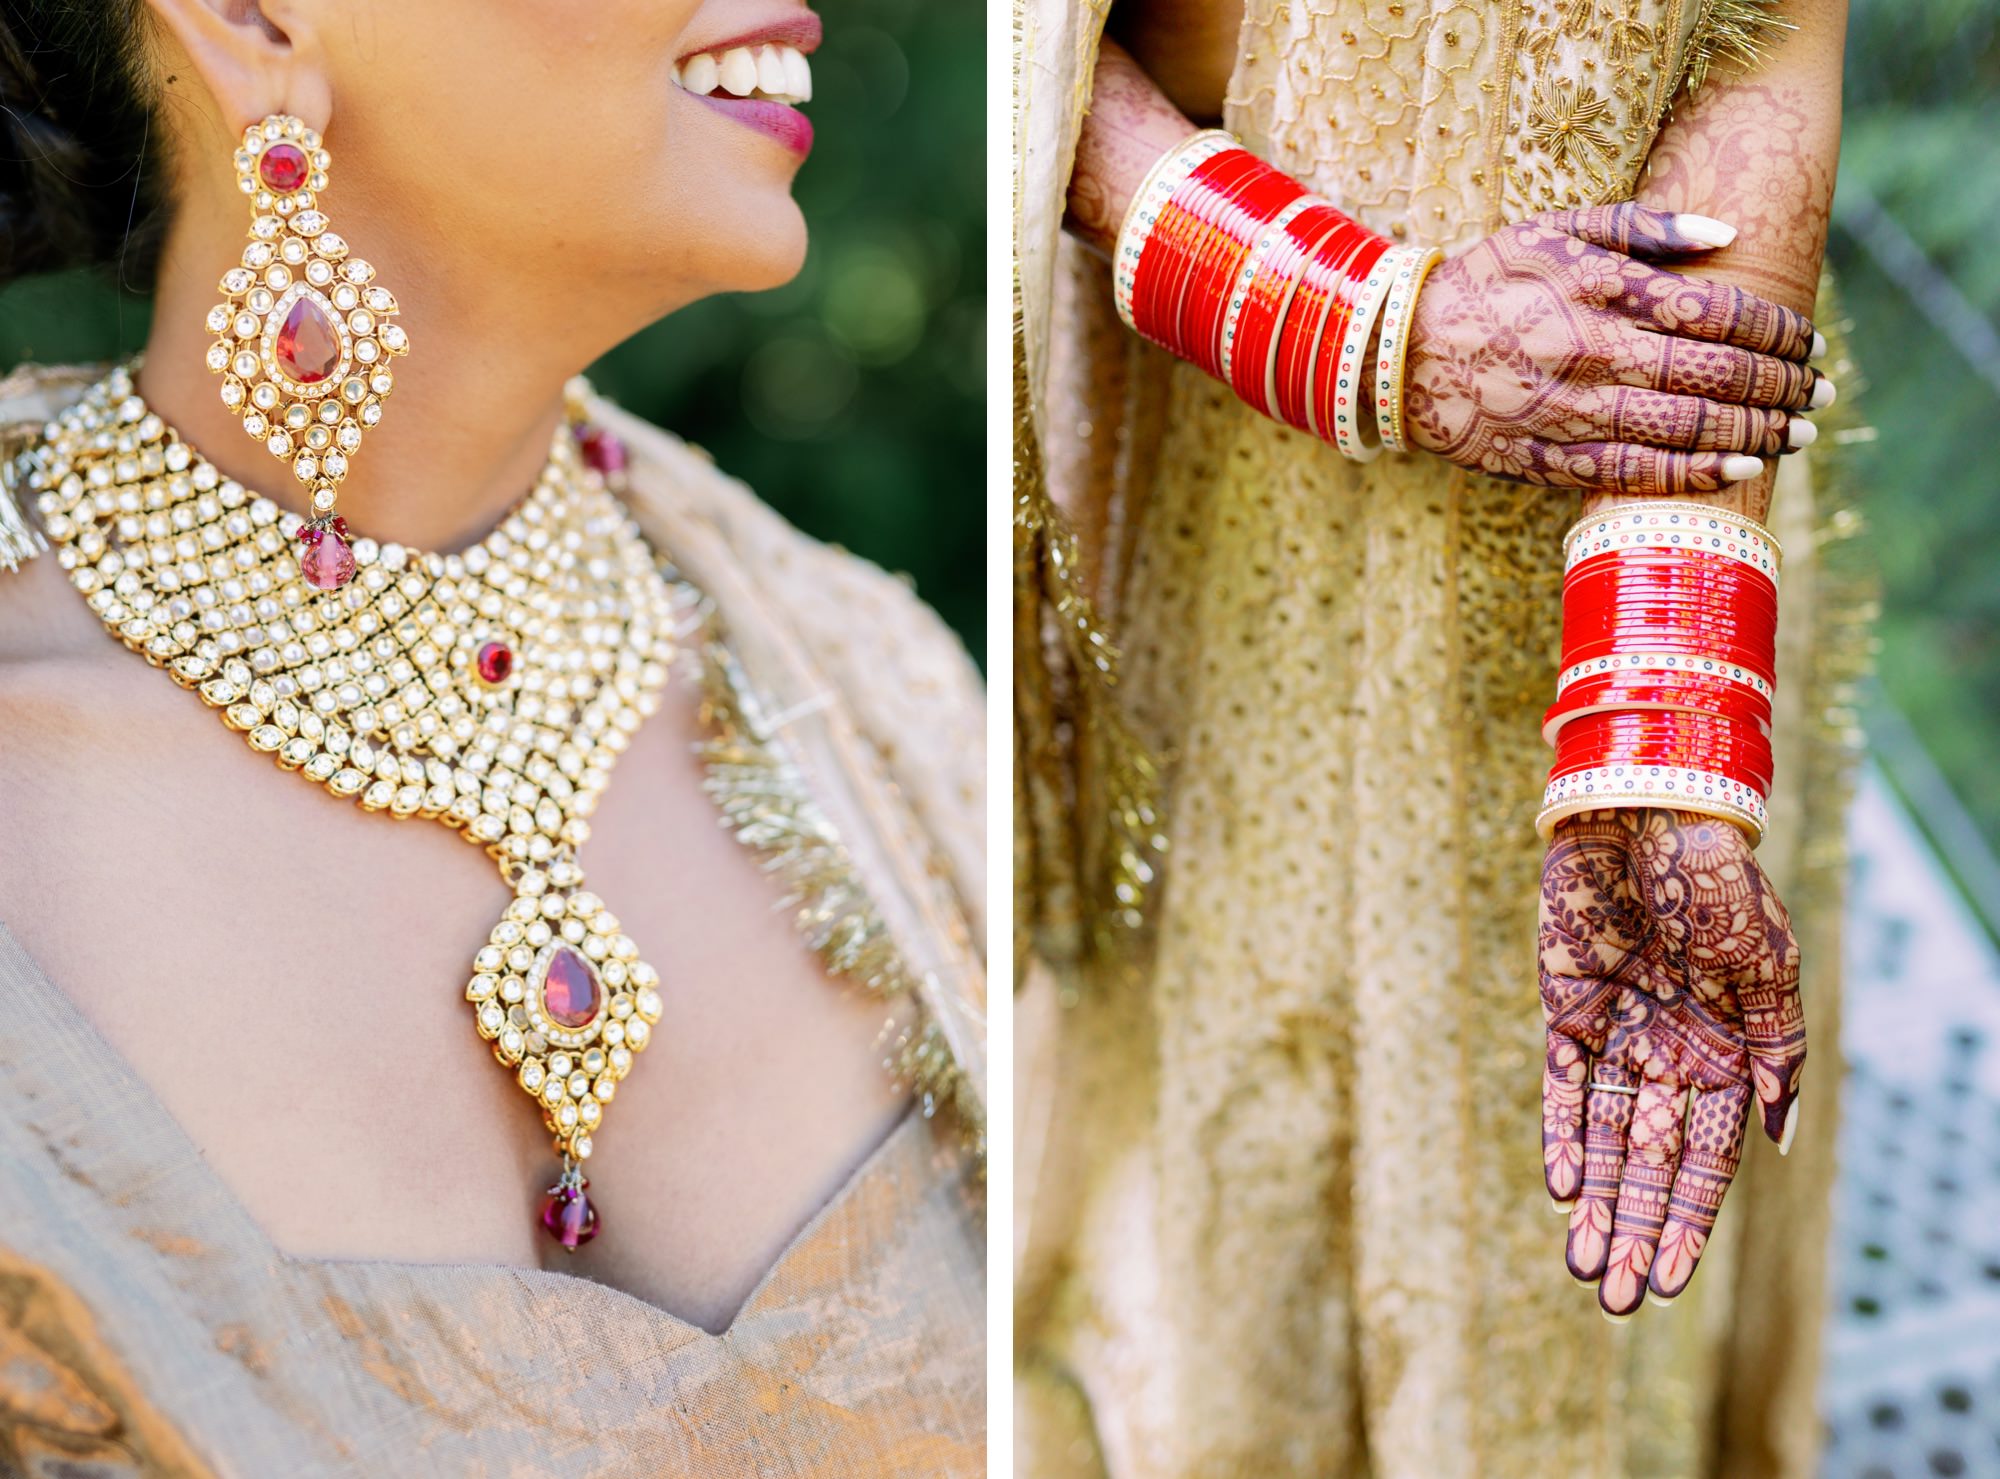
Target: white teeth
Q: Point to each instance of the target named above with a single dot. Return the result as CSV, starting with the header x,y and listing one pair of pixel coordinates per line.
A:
x,y
698,73
780,73
798,74
771,71
738,71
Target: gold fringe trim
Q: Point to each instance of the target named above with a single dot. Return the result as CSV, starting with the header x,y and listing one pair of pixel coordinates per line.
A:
x,y
1081,889
20,541
1847,600
767,805
1733,33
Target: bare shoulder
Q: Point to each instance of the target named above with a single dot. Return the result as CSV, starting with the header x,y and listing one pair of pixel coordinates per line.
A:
x,y
58,665
78,716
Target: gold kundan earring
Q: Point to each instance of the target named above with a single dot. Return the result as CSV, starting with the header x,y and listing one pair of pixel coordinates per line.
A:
x,y
304,340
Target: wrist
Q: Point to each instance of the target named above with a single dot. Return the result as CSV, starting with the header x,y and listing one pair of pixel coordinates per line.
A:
x,y
1664,695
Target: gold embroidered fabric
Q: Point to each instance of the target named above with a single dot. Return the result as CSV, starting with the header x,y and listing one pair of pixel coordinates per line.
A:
x,y
147,1327
1280,1206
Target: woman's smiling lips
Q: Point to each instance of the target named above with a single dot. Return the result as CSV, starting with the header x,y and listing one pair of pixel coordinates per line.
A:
x,y
756,76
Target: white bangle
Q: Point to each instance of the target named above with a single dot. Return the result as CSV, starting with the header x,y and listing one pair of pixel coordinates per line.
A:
x,y
1349,411
1390,355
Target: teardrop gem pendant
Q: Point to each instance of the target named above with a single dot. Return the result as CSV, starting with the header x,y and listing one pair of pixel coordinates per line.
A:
x,y
566,1002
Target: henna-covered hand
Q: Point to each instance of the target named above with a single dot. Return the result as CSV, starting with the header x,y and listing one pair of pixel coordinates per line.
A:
x,y
1554,352
1670,991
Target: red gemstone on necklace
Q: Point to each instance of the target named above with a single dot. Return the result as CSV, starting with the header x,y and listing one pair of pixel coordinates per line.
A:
x,y
496,663
601,450
308,345
569,990
327,563
283,167
569,1218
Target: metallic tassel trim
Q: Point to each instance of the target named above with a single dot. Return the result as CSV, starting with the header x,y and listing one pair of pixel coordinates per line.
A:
x,y
1105,869
1734,33
20,541
1847,601
766,803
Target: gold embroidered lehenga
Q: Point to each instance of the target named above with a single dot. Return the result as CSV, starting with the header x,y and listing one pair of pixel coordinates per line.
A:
x,y
148,1327
1280,1205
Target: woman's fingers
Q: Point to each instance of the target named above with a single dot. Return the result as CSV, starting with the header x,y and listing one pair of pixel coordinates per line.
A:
x,y
1640,231
1774,1030
1607,1115
1720,313
1564,1073
1718,372
1624,467
1687,423
1709,1160
1652,1156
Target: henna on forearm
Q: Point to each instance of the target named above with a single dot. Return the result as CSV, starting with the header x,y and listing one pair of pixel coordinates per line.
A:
x,y
1129,126
1760,151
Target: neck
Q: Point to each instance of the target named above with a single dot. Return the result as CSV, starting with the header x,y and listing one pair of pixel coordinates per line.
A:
x,y
456,447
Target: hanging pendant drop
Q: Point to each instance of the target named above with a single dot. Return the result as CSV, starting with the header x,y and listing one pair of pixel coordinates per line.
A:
x,y
568,1215
561,994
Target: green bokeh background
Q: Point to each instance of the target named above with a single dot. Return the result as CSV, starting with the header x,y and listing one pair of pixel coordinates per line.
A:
x,y
851,399
1916,246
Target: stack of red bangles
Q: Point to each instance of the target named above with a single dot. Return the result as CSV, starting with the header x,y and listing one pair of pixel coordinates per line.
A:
x,y
1670,631
1231,265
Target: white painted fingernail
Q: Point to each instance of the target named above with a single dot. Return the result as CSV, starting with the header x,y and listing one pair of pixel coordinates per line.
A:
x,y
1705,229
1823,394
1660,1301
1819,345
1801,433
1791,1129
1614,1319
1739,467
1561,1209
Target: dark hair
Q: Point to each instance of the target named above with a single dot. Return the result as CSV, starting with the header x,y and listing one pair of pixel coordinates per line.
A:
x,y
76,140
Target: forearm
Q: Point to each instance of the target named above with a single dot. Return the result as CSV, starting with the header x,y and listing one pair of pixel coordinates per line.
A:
x,y
1130,125
1759,151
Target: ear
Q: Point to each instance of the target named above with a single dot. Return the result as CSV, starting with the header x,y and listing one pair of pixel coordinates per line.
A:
x,y
256,57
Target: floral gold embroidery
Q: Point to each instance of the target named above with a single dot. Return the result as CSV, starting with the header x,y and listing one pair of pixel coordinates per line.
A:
x,y
1566,120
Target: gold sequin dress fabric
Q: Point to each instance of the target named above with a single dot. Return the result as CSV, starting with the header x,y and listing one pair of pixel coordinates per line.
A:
x,y
148,1327
1280,1206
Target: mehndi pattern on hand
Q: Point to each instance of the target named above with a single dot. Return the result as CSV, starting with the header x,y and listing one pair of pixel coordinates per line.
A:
x,y
1555,352
1670,993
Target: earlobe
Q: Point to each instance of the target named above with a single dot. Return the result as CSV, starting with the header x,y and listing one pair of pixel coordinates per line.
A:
x,y
256,57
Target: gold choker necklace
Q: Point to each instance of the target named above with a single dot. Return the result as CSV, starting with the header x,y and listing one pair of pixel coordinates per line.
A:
x,y
491,690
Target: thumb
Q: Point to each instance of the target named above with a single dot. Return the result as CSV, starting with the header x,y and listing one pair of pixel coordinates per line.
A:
x,y
1777,1082
1775,1034
1640,231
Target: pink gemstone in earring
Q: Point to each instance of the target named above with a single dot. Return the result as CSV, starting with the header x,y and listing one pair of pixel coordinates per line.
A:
x,y
307,346
328,563
283,167
601,450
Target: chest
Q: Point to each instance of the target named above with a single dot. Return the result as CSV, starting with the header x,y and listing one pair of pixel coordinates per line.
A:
x,y
287,974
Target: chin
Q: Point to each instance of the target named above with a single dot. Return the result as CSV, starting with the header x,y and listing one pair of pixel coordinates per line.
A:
x,y
768,257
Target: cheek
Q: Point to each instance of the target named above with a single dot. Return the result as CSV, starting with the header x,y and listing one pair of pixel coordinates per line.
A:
x,y
542,110
555,131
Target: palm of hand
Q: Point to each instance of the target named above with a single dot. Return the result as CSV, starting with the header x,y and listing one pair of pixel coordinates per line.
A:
x,y
1551,353
1670,993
